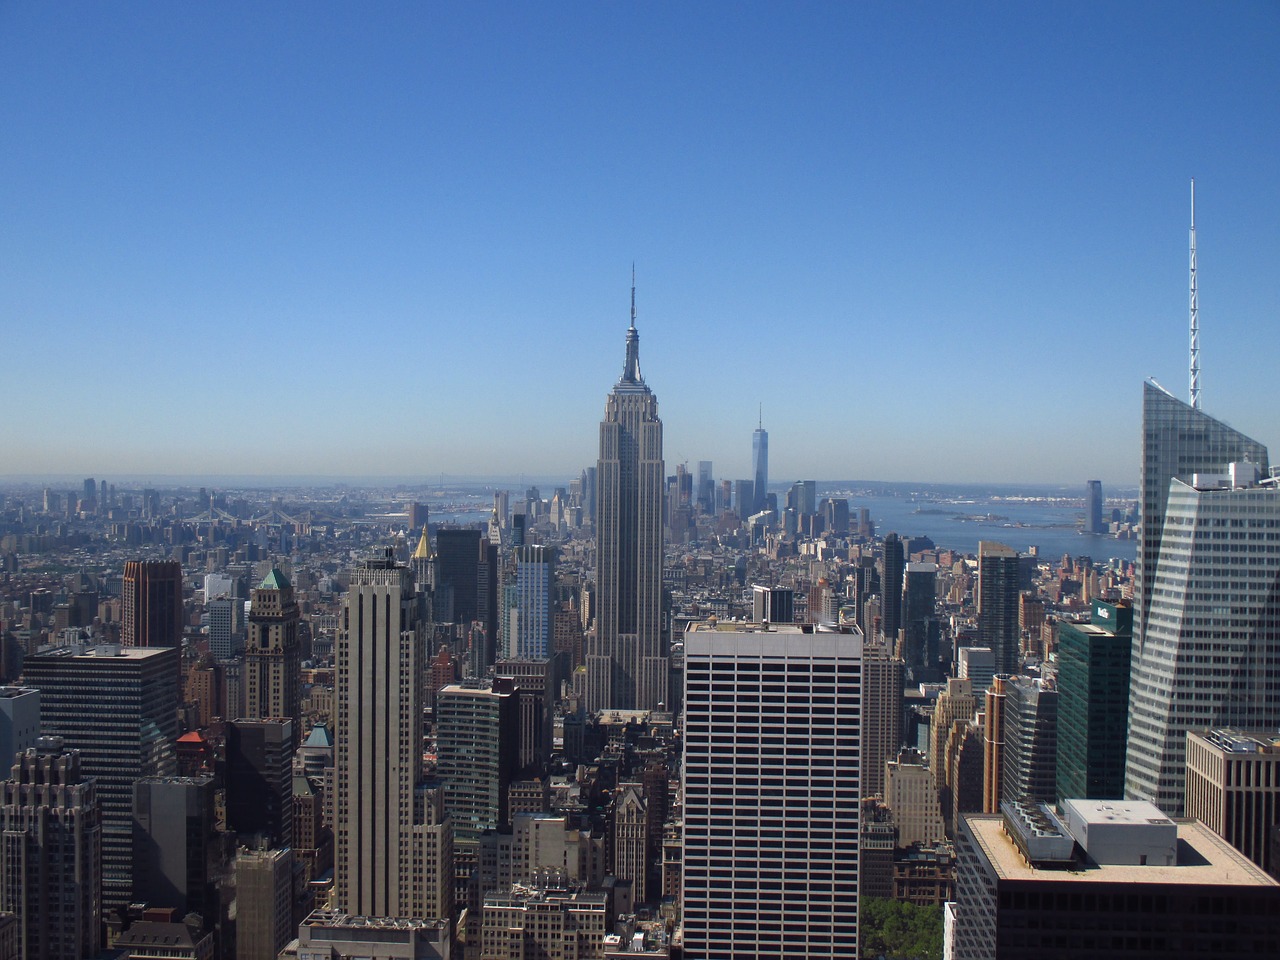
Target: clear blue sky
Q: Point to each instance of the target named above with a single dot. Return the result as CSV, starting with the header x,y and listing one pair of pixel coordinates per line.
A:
x,y
936,241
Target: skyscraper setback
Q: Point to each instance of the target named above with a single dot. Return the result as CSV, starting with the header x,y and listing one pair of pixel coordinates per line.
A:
x,y
626,662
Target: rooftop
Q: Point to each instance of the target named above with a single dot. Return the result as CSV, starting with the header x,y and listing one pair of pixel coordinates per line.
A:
x,y
105,651
1204,858
1233,741
332,919
319,737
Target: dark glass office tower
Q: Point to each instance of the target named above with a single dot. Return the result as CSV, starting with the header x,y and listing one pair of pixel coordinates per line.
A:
x,y
1093,702
119,707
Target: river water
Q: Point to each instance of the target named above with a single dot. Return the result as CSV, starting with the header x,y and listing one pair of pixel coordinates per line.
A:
x,y
958,524
954,519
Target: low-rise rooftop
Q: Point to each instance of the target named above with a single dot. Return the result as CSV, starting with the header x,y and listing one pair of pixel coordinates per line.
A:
x,y
1203,858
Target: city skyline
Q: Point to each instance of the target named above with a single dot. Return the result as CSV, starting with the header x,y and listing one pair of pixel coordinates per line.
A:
x,y
977,218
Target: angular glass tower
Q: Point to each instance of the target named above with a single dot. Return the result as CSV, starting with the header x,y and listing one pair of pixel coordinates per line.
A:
x,y
1177,441
1206,648
627,665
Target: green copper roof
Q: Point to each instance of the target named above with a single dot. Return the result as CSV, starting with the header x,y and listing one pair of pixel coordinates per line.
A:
x,y
275,580
319,737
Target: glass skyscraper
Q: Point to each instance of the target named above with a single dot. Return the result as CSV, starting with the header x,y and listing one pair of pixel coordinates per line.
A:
x,y
760,467
1206,648
1093,702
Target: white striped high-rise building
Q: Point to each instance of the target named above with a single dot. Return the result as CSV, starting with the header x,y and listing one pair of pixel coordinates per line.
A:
x,y
529,632
772,763
627,665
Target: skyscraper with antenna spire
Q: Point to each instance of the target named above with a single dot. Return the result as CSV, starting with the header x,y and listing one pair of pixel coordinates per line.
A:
x,y
760,462
626,659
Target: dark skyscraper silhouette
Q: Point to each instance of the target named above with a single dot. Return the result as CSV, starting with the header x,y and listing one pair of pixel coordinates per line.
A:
x,y
919,626
891,568
458,552
998,578
1093,507
626,664
151,603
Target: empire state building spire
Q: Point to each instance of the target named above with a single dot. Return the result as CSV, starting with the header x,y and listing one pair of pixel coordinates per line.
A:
x,y
631,372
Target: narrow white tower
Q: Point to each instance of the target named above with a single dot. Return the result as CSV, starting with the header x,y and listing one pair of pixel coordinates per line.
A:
x,y
1195,309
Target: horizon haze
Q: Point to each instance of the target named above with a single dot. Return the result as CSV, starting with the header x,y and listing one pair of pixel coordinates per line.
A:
x,y
939,244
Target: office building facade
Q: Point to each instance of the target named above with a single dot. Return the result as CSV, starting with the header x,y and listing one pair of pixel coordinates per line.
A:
x,y
50,854
1233,787
531,632
1030,767
770,860
882,674
773,604
1109,879
19,721
892,568
119,707
1093,702
381,668
264,902
998,580
477,750
259,793
759,469
1210,653
920,629
1178,440
1093,521
151,604
176,846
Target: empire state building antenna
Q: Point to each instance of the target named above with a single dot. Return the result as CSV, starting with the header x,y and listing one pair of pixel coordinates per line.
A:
x,y
1195,309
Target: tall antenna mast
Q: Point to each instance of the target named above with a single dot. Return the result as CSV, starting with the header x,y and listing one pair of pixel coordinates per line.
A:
x,y
1195,309
633,287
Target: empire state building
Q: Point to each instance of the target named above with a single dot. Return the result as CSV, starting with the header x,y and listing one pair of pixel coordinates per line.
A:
x,y
627,665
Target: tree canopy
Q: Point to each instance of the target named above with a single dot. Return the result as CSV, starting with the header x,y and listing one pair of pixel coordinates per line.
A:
x,y
893,930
